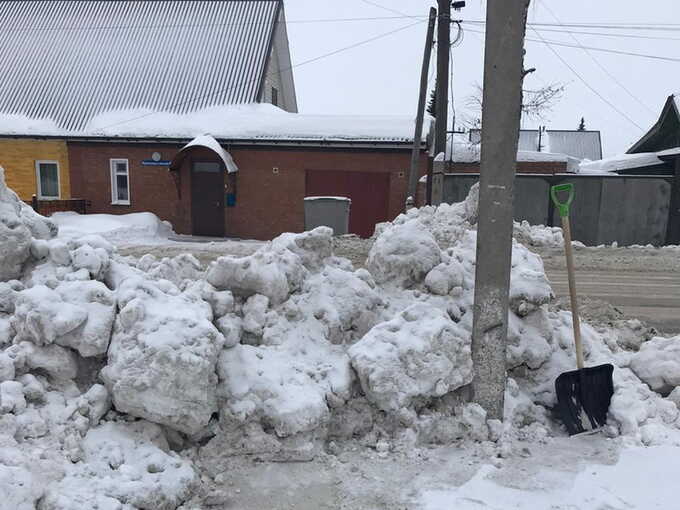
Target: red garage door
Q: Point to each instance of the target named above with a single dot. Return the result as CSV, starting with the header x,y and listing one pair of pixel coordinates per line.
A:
x,y
369,192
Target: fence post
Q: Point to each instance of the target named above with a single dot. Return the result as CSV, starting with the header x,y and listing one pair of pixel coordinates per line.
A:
x,y
673,227
34,203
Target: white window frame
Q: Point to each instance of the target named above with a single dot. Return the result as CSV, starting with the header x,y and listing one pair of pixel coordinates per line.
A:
x,y
114,183
37,179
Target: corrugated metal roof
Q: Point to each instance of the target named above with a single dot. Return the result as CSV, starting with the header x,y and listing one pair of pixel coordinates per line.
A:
x,y
577,144
71,60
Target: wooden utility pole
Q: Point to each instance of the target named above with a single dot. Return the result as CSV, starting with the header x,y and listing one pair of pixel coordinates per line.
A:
x,y
441,94
417,136
501,107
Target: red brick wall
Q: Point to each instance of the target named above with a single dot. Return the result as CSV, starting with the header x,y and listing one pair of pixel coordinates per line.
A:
x,y
523,167
267,203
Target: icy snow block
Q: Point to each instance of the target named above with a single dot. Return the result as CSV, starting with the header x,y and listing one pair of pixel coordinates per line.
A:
x,y
274,273
15,236
331,212
403,254
41,316
657,363
280,388
313,247
528,282
162,356
419,353
91,338
124,466
75,314
345,302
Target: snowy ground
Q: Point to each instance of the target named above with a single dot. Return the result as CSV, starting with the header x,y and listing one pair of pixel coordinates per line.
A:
x,y
283,376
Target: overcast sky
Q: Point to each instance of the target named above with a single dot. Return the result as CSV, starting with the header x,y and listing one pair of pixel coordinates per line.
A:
x,y
381,77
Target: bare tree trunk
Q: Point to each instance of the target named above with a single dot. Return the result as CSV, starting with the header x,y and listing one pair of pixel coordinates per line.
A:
x,y
503,73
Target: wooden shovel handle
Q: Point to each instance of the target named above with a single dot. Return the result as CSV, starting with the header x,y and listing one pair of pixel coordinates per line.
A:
x,y
566,231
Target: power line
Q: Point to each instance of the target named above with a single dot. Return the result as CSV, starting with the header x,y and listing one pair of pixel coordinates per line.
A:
x,y
604,69
205,25
299,64
583,80
613,34
388,9
593,48
606,26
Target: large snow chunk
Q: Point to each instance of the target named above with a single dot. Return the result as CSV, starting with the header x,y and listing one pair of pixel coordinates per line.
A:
x,y
75,314
12,397
658,364
313,246
41,315
161,360
273,271
124,466
345,302
91,338
15,236
404,254
58,362
529,286
419,353
282,389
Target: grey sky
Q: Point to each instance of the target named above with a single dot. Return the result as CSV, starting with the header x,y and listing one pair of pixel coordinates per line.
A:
x,y
381,77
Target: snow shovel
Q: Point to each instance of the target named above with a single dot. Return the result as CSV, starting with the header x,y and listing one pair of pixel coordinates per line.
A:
x,y
583,395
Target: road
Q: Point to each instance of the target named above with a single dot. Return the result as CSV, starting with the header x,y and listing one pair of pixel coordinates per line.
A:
x,y
653,297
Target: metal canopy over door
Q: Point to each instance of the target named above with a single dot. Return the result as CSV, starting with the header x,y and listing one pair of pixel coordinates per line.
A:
x,y
369,192
207,198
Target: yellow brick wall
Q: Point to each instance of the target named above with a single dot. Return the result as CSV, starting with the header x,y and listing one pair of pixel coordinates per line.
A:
x,y
18,157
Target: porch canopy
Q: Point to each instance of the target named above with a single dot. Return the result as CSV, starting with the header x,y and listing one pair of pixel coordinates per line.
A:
x,y
207,142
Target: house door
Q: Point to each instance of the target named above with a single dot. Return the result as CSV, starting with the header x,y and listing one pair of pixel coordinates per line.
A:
x,y
369,192
207,199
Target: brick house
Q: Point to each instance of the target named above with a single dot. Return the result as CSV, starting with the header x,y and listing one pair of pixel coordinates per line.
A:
x,y
120,105
61,75
262,197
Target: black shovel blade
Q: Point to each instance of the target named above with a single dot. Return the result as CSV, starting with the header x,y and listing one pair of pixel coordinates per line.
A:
x,y
583,397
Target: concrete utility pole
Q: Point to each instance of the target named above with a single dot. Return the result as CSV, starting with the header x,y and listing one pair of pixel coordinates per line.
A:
x,y
415,152
501,105
441,94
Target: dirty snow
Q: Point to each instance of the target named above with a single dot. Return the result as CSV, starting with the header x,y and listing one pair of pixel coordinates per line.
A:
x,y
145,382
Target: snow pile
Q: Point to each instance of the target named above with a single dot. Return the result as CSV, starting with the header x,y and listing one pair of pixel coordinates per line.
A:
x,y
17,227
105,364
122,228
538,235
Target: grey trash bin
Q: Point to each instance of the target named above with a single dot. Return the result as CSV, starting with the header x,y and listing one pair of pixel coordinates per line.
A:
x,y
328,211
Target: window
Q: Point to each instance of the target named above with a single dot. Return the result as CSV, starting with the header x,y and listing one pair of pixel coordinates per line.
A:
x,y
275,96
120,182
47,179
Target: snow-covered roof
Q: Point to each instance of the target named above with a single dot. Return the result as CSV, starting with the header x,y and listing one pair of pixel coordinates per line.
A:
x,y
577,144
240,122
620,162
72,61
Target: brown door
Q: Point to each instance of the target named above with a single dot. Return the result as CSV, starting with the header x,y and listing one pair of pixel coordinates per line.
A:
x,y
207,198
369,192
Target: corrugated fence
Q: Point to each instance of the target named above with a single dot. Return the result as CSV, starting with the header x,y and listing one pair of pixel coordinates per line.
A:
x,y
625,209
